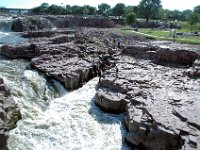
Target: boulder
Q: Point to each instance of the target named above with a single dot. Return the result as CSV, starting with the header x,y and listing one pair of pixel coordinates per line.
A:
x,y
194,71
30,24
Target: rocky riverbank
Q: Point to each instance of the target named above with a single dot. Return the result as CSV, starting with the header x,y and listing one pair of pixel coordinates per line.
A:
x,y
161,102
156,86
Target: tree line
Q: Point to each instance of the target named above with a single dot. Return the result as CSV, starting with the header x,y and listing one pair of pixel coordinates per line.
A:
x,y
147,9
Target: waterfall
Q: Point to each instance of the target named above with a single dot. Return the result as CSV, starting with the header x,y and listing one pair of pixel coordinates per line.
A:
x,y
53,118
6,36
5,24
72,121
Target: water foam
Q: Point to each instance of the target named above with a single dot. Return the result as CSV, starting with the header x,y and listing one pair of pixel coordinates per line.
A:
x,y
71,122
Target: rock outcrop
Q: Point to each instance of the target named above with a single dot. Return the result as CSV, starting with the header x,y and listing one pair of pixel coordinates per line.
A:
x,y
160,102
49,22
73,72
182,56
9,114
41,42
31,24
64,55
75,21
174,55
25,50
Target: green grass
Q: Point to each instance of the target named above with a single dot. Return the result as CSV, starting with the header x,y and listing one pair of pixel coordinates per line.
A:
x,y
161,35
187,28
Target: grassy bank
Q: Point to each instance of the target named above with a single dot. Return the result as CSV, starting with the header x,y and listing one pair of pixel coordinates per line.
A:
x,y
161,35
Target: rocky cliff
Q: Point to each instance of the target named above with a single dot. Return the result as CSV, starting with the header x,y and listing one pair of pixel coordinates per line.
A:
x,y
49,22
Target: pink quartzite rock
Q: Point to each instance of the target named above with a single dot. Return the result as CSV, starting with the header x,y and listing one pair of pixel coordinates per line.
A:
x,y
71,71
163,110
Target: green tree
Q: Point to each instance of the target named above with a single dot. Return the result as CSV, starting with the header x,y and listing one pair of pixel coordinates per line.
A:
x,y
136,10
131,18
68,9
164,14
42,9
104,9
193,19
178,15
88,10
197,9
92,10
119,9
36,10
55,10
85,9
76,10
129,9
186,13
149,8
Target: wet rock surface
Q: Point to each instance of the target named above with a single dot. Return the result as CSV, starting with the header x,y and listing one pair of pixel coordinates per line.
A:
x,y
9,114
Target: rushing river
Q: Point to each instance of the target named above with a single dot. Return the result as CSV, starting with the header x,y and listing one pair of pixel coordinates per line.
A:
x,y
54,119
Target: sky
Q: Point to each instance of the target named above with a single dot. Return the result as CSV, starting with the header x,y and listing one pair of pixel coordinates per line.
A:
x,y
167,4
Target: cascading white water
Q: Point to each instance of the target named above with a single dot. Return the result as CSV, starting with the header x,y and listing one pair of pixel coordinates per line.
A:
x,y
5,23
6,36
29,89
71,122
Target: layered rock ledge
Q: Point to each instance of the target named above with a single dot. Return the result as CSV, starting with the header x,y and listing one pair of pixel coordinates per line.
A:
x,y
67,55
161,102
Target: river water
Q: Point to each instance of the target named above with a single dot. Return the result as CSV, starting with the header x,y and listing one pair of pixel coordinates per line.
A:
x,y
53,118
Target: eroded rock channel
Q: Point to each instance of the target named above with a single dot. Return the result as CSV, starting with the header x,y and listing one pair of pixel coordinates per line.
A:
x,y
157,87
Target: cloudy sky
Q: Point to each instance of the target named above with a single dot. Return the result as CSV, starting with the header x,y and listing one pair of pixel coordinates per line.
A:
x,y
169,4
